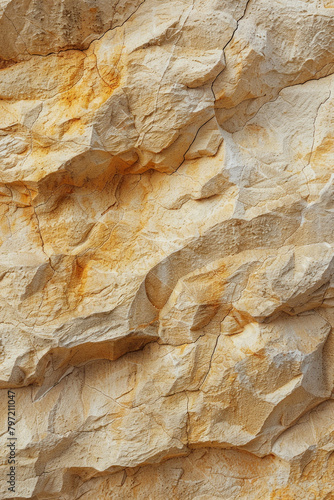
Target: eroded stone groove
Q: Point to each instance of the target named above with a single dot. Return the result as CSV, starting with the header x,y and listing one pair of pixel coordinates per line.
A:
x,y
166,242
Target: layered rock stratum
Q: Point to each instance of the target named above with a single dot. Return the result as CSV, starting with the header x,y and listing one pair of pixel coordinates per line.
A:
x,y
166,230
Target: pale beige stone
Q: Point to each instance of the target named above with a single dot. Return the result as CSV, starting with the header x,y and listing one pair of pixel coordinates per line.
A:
x,y
167,248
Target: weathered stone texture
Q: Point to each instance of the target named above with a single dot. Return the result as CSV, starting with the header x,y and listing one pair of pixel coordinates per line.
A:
x,y
167,235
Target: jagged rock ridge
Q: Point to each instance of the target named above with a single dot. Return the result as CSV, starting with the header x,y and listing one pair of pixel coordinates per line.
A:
x,y
166,248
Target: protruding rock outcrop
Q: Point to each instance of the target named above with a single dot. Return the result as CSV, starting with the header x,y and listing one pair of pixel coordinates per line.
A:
x,y
167,234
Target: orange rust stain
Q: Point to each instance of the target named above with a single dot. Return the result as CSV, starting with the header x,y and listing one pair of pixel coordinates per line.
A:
x,y
255,128
325,147
111,76
241,318
287,493
78,279
182,348
7,63
281,495
256,354
87,95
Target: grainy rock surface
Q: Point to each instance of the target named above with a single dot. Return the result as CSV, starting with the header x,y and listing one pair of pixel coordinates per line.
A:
x,y
167,234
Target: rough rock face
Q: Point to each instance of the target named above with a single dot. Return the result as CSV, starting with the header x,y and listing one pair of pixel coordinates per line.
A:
x,y
167,260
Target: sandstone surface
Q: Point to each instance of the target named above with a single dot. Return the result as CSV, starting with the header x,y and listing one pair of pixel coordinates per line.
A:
x,y
167,248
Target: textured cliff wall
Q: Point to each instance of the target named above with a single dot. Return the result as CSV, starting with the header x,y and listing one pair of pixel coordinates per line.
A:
x,y
167,259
